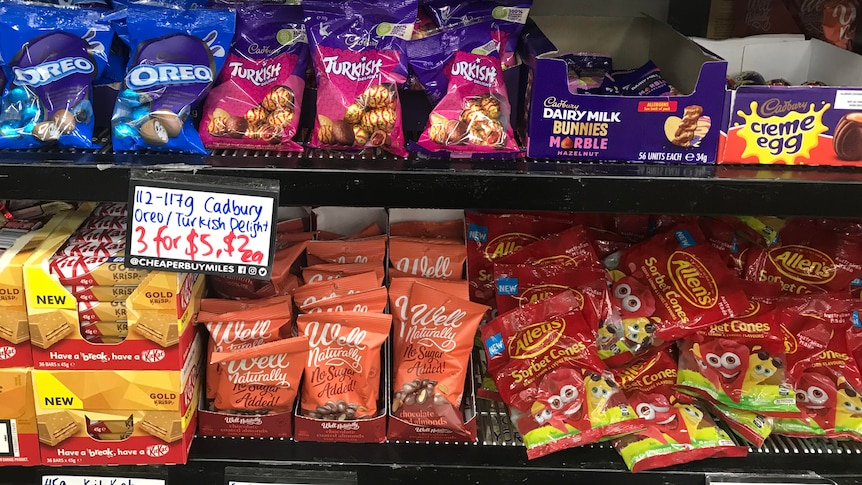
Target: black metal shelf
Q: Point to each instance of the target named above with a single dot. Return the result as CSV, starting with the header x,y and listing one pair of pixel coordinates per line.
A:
x,y
322,178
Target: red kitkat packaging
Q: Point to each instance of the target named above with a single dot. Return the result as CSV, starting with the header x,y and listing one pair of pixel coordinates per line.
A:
x,y
262,378
666,288
741,362
256,101
342,374
571,247
431,351
461,71
827,384
427,258
359,52
543,359
807,259
677,432
492,236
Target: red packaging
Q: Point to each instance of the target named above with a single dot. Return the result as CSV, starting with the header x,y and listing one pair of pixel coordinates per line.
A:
x,y
309,294
262,378
427,258
369,250
96,249
492,236
371,301
281,282
241,329
807,259
666,288
105,235
431,350
522,284
676,432
560,394
833,21
342,373
752,427
331,271
571,247
827,383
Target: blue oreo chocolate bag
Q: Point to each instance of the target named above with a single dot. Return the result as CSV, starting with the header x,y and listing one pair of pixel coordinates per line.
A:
x,y
176,56
52,55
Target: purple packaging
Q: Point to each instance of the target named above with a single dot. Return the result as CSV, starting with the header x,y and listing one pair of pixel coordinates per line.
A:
x,y
176,55
643,81
259,93
671,129
52,55
359,52
588,71
509,18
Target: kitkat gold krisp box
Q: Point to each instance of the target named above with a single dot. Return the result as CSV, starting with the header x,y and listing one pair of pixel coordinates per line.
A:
x,y
19,443
96,417
150,329
14,326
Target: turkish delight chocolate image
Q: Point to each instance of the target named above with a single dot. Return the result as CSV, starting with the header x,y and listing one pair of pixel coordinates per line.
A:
x,y
847,140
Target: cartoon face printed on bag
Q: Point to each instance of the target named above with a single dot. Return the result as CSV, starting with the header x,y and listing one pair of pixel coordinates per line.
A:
x,y
817,396
599,392
661,413
633,298
560,401
761,367
691,416
848,411
639,330
729,360
609,331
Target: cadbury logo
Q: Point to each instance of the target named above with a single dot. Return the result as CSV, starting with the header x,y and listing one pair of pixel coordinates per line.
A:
x,y
692,280
145,76
507,244
775,106
804,264
535,339
49,72
258,77
355,71
475,72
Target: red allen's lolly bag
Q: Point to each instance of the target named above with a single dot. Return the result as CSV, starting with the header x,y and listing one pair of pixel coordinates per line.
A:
x,y
543,359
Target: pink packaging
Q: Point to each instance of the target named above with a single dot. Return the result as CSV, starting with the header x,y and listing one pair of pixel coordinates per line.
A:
x,y
259,93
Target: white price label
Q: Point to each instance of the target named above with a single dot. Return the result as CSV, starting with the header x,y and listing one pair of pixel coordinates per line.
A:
x,y
71,480
175,227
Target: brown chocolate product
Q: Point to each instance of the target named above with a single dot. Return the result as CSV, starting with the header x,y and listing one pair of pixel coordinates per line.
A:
x,y
336,411
170,121
417,391
847,140
236,126
154,133
218,126
342,132
64,120
46,131
278,97
271,134
687,126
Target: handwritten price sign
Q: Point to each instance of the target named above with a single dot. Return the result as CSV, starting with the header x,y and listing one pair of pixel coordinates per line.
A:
x,y
202,224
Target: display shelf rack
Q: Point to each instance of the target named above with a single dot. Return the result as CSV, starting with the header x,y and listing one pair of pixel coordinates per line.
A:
x,y
321,178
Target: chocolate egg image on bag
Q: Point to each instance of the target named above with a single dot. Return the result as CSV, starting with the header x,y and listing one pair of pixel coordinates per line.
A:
x,y
64,120
847,140
154,133
170,121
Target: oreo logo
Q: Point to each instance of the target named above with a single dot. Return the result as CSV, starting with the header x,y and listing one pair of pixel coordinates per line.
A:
x,y
146,76
49,72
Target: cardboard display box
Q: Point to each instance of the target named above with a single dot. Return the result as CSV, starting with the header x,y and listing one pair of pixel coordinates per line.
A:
x,y
14,325
159,327
794,125
567,126
118,417
19,442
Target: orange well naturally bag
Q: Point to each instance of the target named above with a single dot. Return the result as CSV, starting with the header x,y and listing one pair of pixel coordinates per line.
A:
x,y
262,378
369,250
323,290
342,379
427,258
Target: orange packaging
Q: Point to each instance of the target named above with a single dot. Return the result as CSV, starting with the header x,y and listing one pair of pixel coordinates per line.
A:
x,y
342,379
427,229
280,283
219,305
427,258
399,295
242,329
262,378
331,271
371,301
370,230
369,250
431,350
314,292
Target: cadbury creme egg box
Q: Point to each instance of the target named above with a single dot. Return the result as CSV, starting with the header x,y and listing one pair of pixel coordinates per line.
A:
x,y
53,55
176,56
